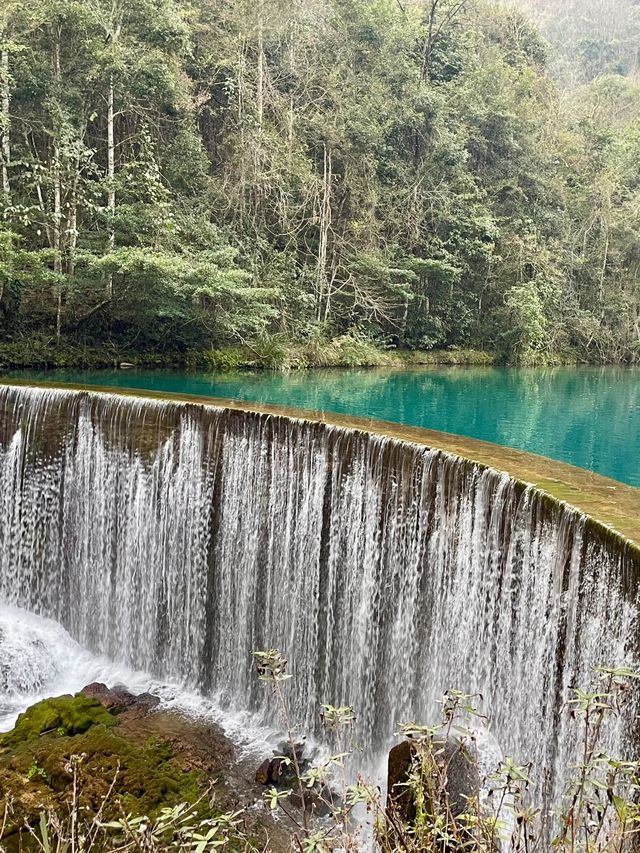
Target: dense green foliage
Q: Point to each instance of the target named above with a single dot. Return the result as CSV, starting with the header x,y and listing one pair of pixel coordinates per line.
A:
x,y
188,175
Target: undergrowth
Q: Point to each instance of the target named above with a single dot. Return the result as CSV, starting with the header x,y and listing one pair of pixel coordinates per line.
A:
x,y
600,812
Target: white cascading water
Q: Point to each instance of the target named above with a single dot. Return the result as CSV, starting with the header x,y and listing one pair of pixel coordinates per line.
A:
x,y
177,539
38,658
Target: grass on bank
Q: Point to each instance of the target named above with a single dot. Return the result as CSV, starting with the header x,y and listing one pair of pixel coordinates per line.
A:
x,y
271,352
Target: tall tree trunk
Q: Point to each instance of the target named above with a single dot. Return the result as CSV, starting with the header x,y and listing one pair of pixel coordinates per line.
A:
x,y
257,189
325,225
30,145
57,240
240,207
73,224
292,70
111,189
428,42
5,124
603,272
260,81
57,196
290,132
434,30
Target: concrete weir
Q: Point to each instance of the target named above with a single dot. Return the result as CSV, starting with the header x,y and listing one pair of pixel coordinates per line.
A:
x,y
178,535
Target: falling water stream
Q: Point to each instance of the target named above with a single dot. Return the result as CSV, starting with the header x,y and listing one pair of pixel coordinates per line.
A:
x,y
176,539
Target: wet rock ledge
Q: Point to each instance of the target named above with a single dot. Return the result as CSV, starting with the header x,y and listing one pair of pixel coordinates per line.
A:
x,y
123,748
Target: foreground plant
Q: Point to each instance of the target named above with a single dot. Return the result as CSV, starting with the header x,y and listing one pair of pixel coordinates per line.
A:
x,y
600,812
181,828
603,811
327,800
193,827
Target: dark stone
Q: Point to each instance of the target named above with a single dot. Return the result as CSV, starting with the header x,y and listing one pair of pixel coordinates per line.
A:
x,y
454,756
147,701
276,771
115,699
398,796
284,749
280,770
119,700
263,772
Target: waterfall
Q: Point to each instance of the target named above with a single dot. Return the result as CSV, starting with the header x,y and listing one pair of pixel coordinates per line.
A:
x,y
177,539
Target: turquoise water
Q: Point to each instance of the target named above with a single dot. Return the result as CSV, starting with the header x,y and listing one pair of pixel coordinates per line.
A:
x,y
586,416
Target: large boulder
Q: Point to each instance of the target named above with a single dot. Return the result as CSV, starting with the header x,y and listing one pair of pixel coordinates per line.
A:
x,y
454,774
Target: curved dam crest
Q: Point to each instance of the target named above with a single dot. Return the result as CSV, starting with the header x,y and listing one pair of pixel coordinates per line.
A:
x,y
179,538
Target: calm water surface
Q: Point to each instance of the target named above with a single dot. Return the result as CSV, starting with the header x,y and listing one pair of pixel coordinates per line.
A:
x,y
586,416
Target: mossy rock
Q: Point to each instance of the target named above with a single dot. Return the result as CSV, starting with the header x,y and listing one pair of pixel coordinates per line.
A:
x,y
64,715
58,737
143,763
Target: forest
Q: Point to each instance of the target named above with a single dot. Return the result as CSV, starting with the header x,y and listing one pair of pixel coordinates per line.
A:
x,y
300,179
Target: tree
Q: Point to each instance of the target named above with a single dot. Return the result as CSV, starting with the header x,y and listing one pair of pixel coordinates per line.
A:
x,y
403,171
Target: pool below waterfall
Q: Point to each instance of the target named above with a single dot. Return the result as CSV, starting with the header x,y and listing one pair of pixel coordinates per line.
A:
x,y
586,416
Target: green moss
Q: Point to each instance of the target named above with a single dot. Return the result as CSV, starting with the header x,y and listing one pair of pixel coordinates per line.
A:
x,y
37,763
64,715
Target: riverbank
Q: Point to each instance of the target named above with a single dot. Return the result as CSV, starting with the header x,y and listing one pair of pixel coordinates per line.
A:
x,y
272,353
269,354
